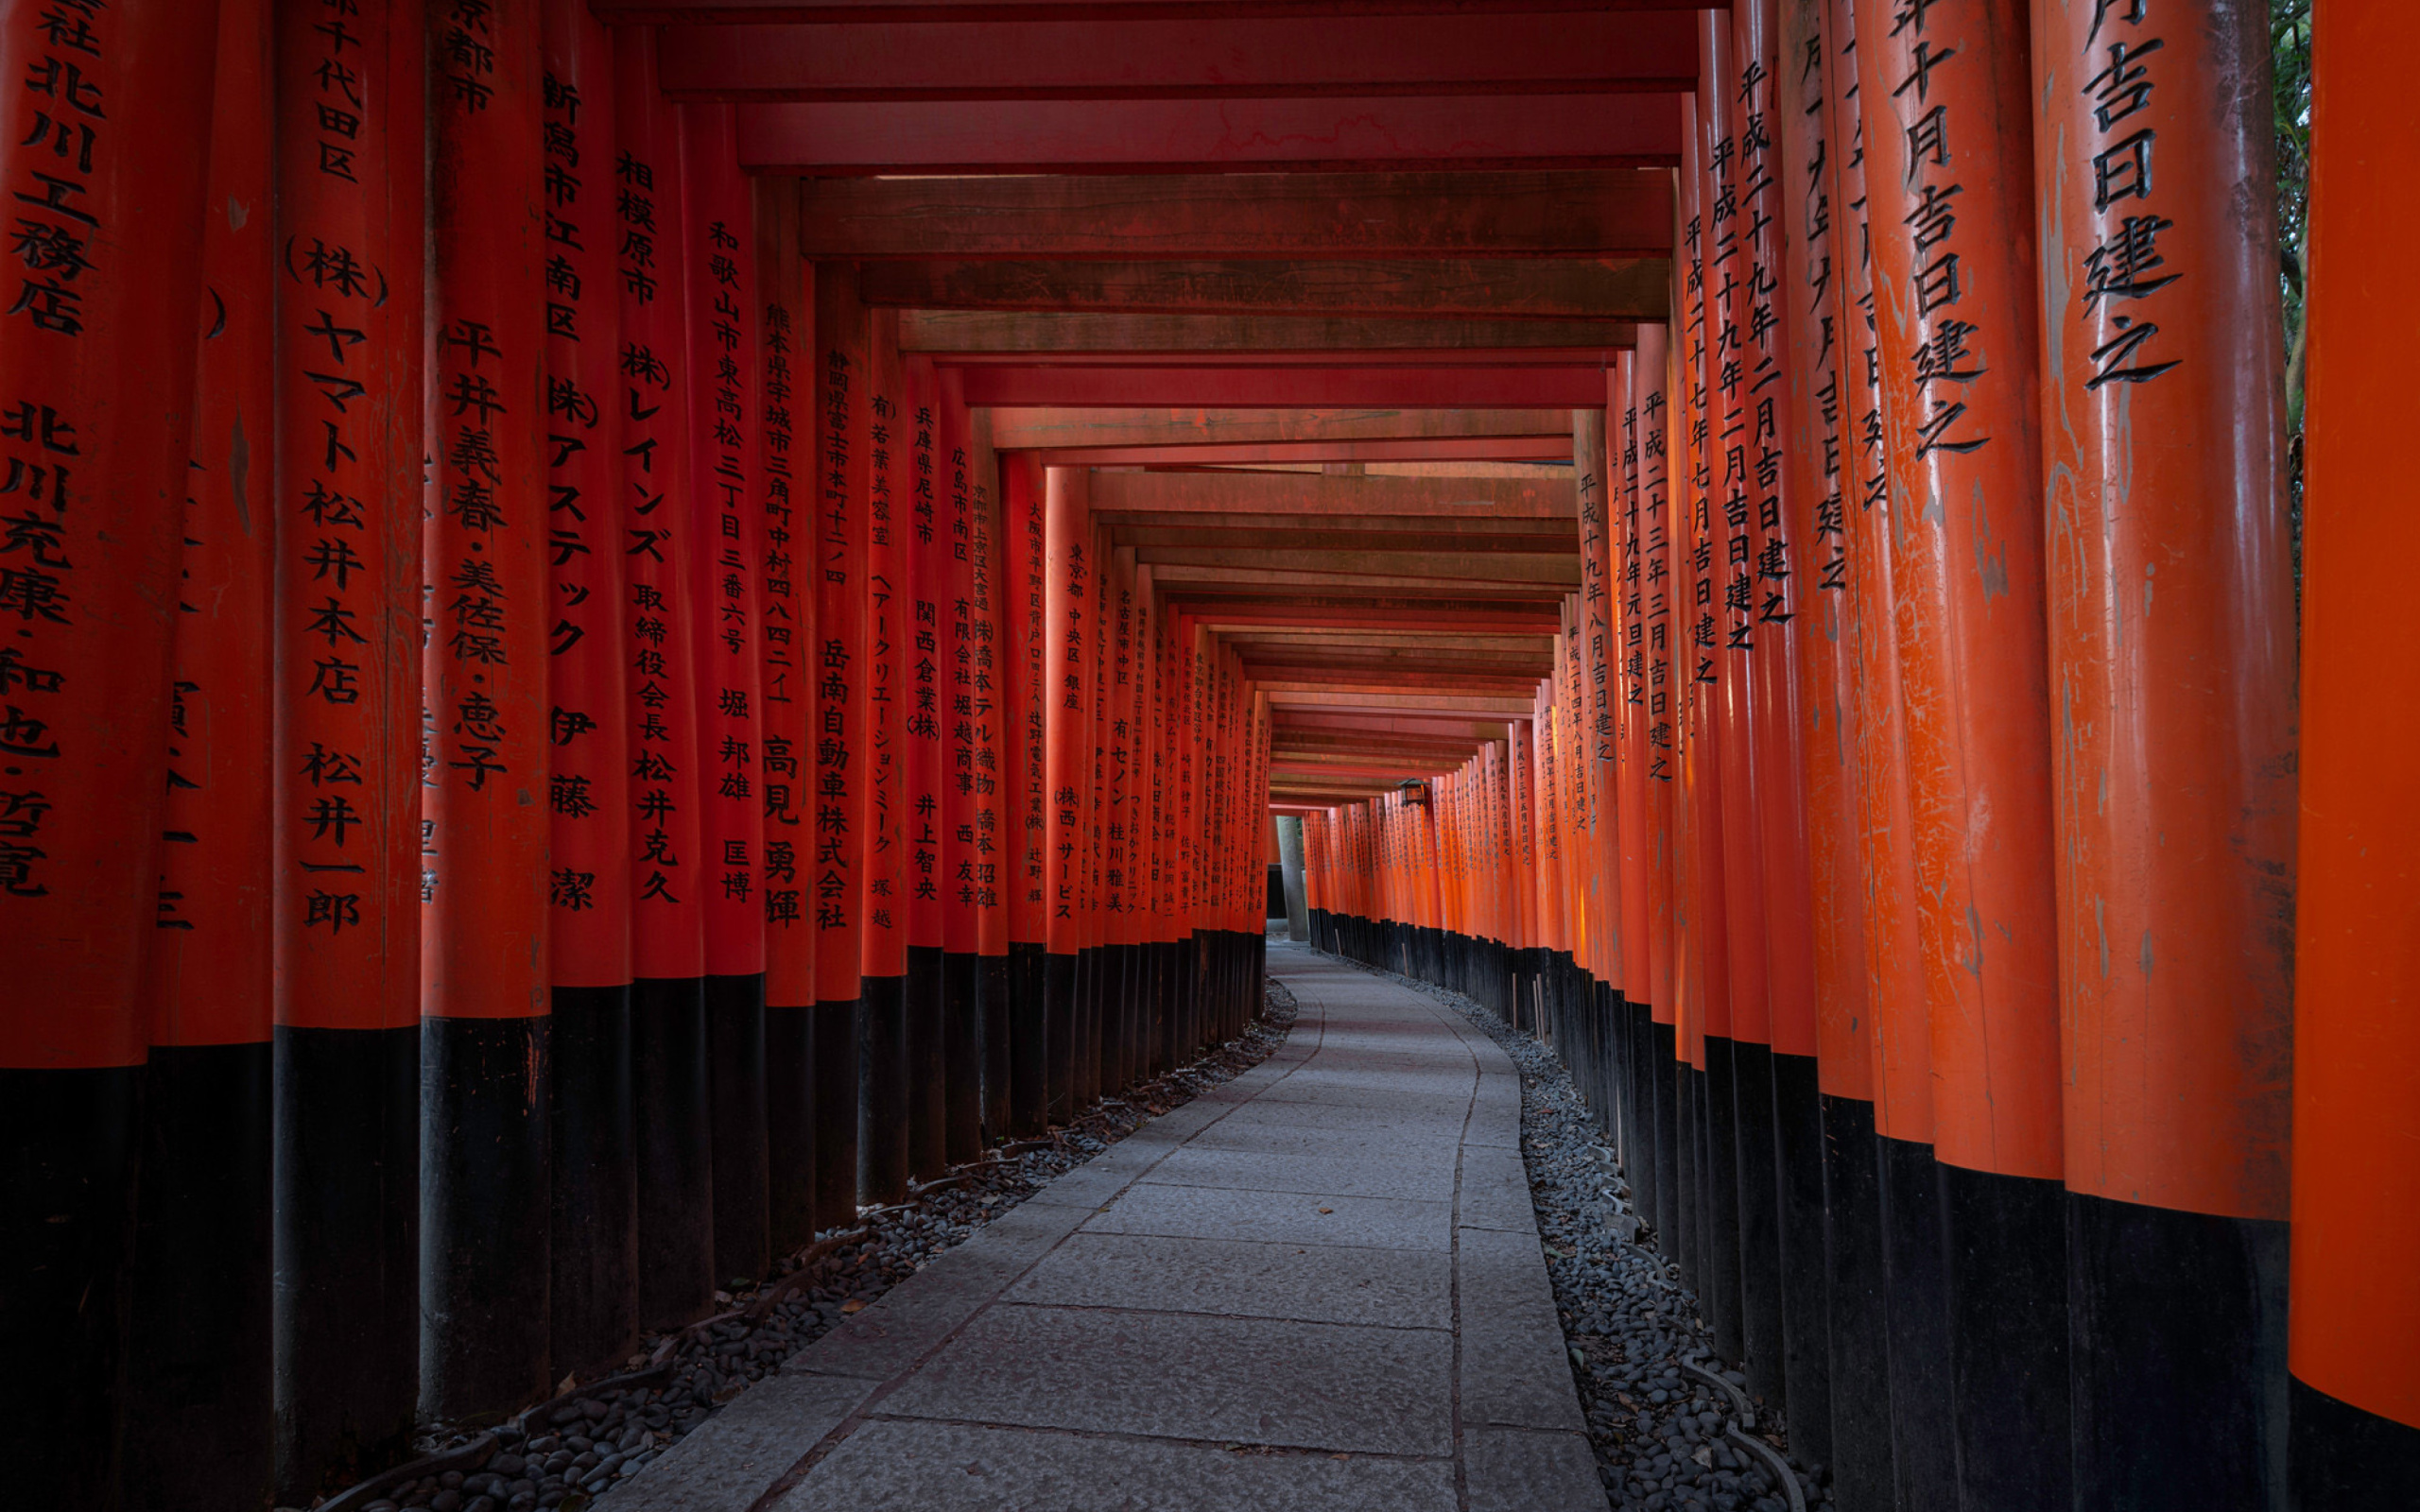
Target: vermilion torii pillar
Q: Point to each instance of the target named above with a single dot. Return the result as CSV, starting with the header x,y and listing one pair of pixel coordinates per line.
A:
x,y
1024,777
882,1118
838,545
925,521
1944,91
1069,606
199,1318
352,387
2355,1379
669,871
2172,644
487,1176
785,681
592,1297
725,519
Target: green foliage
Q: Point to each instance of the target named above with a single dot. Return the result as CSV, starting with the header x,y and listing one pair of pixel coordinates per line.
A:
x,y
2289,52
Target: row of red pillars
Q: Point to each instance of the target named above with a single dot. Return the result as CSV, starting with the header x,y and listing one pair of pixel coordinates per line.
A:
x,y
540,764
1904,851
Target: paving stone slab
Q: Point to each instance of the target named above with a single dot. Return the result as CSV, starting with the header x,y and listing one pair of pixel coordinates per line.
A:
x,y
1170,1375
1210,1212
1315,1284
1512,1470
1364,1176
1514,1371
968,1469
727,1462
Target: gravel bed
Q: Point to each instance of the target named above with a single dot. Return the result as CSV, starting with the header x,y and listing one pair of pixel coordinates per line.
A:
x,y
1662,1436
569,1453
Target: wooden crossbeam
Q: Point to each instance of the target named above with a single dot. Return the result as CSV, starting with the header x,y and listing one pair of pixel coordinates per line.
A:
x,y
1440,450
1161,386
965,335
1544,288
1228,495
1231,57
1019,429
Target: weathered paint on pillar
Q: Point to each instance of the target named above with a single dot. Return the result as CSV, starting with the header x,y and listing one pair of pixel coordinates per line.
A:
x,y
669,871
198,1357
592,1294
785,680
349,212
486,1167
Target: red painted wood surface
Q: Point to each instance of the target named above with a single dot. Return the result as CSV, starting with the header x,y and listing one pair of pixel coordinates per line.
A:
x,y
790,654
1957,296
840,541
588,738
349,215
1233,58
883,748
1127,137
727,524
1217,386
670,874
207,973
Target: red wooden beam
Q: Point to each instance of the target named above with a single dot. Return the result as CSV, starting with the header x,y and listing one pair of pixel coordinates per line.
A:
x,y
1017,430
1391,387
679,12
1446,289
1259,56
1340,134
1453,448
1596,359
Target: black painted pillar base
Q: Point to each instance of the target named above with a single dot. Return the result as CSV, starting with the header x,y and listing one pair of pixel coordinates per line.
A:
x,y
1806,1317
882,1092
1719,1255
961,1068
837,1072
197,1402
790,1128
674,1150
735,1111
2006,1241
593,1300
1856,1298
1639,1159
2176,1332
1760,1188
1029,1040
487,1179
1057,1036
927,1081
992,997
1664,1065
2345,1457
1083,1073
1688,1228
347,1234
1922,1446
1166,971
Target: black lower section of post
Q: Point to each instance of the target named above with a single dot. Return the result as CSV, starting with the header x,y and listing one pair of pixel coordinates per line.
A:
x,y
927,1088
1923,1454
735,1112
1665,1067
1752,1112
2007,1242
1029,1040
882,1092
1163,1010
2346,1457
836,1076
992,1005
1857,1295
1719,1256
1083,1075
790,1128
962,1049
346,1217
592,1302
487,1179
1690,1144
1058,1036
1639,1161
2176,1332
197,1401
1116,1019
674,1150
1798,1173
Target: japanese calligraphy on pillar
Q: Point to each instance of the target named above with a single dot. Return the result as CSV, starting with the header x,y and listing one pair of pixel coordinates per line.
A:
x,y
725,521
349,338
977,698
667,870
887,606
2117,285
931,554
785,613
1767,396
587,737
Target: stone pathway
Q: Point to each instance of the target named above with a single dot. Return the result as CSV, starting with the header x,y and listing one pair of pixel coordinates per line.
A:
x,y
1317,1286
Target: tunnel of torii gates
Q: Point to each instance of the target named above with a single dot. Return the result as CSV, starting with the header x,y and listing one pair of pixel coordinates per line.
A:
x,y
624,626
